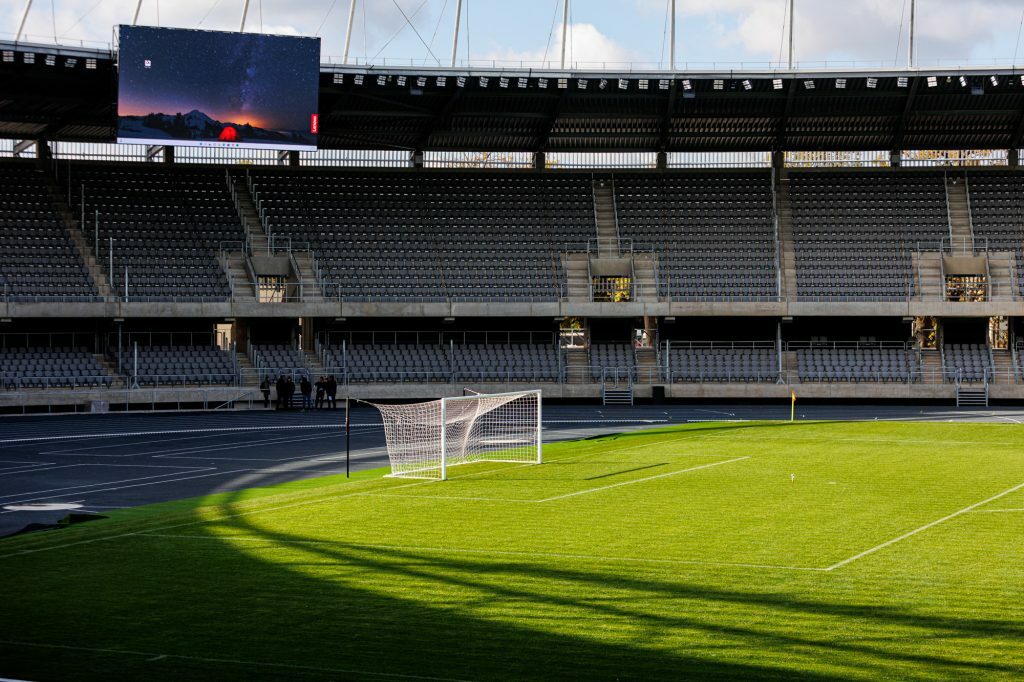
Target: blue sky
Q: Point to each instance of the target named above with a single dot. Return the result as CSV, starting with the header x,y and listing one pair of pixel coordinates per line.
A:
x,y
603,31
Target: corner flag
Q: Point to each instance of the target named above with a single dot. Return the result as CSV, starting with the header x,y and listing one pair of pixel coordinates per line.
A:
x,y
792,405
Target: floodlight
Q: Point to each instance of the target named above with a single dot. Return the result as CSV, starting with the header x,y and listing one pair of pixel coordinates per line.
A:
x,y
1022,80
777,83
90,63
51,60
642,83
523,82
994,80
808,85
932,81
663,84
338,78
503,82
460,81
29,57
421,81
563,83
623,84
8,55
872,83
841,83
963,82
581,83
542,83
484,80
747,85
719,84
358,79
902,81
401,81
603,83
441,81
381,80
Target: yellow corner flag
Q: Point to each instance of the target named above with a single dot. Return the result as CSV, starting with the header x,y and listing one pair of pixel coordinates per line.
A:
x,y
792,405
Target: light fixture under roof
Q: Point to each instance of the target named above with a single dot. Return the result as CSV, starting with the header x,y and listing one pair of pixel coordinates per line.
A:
x,y
719,84
932,81
51,60
663,84
623,84
747,85
963,81
29,57
382,79
503,82
902,82
563,83
358,78
421,81
642,83
994,80
70,62
777,83
841,83
581,83
90,63
338,78
8,56
603,83
441,81
401,81
542,83
460,81
808,84
484,80
522,82
872,82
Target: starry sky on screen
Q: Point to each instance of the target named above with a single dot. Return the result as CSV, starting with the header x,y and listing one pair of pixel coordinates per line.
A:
x,y
267,81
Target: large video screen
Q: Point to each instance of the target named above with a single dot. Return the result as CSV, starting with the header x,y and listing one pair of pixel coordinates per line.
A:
x,y
181,87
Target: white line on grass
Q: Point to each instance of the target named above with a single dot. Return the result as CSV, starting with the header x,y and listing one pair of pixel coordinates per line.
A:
x,y
153,656
996,511
486,552
925,527
641,480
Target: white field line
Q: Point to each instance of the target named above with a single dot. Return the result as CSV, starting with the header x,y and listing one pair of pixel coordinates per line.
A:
x,y
923,528
640,480
996,511
732,436
316,500
485,552
153,656
82,489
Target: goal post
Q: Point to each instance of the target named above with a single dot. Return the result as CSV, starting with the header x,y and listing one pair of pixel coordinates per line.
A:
x,y
425,439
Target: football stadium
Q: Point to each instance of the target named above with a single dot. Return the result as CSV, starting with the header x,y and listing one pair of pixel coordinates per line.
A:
x,y
511,364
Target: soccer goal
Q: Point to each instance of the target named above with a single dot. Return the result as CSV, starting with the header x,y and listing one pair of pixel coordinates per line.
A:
x,y
424,439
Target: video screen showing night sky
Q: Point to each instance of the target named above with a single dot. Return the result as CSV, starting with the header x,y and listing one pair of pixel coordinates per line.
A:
x,y
211,88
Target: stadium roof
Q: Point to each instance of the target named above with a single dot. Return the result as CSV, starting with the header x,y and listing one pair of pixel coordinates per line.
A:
x,y
64,95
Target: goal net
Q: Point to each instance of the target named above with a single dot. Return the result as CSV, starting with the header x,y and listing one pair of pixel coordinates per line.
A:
x,y
424,439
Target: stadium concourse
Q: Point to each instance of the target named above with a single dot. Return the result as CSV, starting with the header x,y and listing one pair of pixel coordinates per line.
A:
x,y
53,466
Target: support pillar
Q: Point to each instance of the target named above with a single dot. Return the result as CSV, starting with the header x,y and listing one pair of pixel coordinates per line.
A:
x,y
168,154
1013,158
539,160
417,158
895,158
662,160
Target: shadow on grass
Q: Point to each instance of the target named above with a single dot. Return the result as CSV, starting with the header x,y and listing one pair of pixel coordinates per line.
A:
x,y
292,607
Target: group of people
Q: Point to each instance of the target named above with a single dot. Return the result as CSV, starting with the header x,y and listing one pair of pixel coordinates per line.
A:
x,y
326,388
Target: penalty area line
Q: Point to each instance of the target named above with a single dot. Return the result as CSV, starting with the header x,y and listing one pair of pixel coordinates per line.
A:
x,y
487,552
923,528
153,656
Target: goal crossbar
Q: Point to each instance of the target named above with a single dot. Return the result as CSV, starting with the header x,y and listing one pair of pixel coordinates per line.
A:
x,y
424,439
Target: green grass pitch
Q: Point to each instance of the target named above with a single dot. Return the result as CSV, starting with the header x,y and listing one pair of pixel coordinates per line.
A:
x,y
754,550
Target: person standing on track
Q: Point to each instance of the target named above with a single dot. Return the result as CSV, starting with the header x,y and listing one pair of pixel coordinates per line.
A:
x,y
265,390
332,392
321,390
282,390
306,389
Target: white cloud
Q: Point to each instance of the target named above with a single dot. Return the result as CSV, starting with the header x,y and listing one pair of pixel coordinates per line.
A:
x,y
586,46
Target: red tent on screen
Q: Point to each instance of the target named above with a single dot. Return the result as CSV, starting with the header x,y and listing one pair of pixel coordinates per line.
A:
x,y
228,134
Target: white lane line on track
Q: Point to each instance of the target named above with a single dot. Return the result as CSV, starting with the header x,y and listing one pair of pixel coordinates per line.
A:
x,y
82,489
923,528
95,464
133,434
